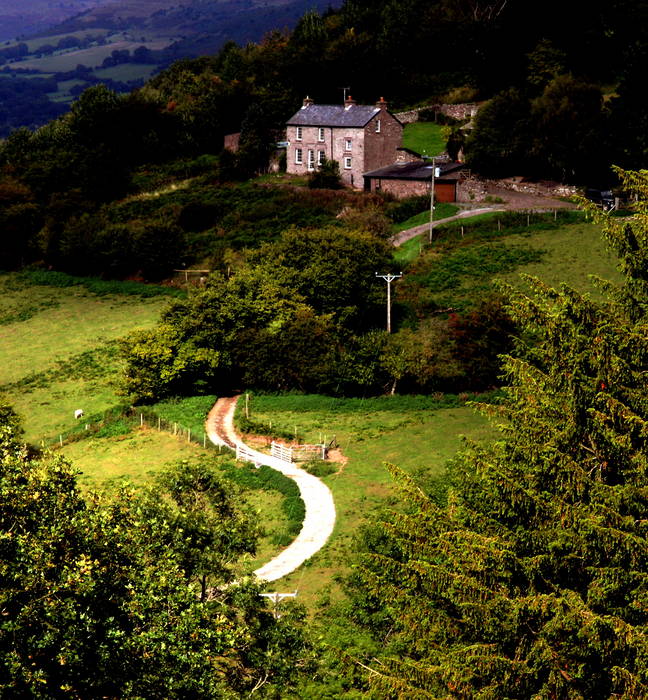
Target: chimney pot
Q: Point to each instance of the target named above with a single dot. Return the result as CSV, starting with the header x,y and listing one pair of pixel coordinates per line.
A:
x,y
307,101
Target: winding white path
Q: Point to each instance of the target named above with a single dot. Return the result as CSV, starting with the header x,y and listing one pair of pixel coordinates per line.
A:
x,y
318,499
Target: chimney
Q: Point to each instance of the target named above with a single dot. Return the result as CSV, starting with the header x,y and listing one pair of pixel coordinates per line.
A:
x,y
307,102
349,102
381,104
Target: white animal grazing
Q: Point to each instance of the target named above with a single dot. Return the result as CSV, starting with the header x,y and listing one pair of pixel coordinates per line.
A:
x,y
78,413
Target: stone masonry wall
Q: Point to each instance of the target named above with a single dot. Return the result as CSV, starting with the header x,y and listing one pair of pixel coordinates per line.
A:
x,y
381,148
460,112
542,188
471,190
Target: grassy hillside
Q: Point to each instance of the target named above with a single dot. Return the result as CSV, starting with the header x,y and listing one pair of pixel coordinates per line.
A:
x,y
457,272
425,138
58,349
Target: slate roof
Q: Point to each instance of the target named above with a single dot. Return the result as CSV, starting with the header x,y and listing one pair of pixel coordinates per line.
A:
x,y
334,115
414,170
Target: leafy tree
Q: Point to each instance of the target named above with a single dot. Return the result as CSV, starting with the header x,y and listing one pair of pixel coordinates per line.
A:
x,y
569,136
193,349
333,269
96,603
499,143
480,338
301,354
421,358
530,580
207,532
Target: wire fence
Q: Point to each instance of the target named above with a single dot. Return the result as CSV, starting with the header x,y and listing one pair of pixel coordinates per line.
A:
x,y
117,421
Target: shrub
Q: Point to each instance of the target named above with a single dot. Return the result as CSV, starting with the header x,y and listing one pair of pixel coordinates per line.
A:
x,y
327,176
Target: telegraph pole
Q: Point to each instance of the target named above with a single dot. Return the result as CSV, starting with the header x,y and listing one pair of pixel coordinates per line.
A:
x,y
432,198
389,278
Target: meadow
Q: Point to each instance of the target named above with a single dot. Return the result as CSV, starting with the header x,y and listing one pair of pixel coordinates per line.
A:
x,y
456,272
417,433
58,346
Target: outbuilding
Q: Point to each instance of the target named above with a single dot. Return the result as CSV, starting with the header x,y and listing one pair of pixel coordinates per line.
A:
x,y
407,178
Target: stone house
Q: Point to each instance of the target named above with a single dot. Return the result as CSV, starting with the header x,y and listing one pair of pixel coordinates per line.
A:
x,y
358,137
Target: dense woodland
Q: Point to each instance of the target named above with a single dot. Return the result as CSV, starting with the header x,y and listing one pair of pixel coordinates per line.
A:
x,y
523,574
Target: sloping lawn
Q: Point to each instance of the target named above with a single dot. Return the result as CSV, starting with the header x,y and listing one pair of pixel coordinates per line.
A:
x,y
425,138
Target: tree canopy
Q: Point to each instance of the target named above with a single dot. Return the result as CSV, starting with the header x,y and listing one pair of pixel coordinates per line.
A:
x,y
528,578
98,592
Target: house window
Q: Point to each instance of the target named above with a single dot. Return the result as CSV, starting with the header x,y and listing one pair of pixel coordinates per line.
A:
x,y
311,160
320,134
298,156
298,135
320,157
377,126
347,163
347,144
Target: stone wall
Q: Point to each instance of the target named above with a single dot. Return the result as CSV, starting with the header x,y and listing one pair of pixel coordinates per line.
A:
x,y
443,191
408,117
231,142
542,188
460,112
471,190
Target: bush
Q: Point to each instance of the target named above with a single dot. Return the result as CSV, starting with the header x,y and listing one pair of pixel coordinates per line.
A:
x,y
327,176
407,208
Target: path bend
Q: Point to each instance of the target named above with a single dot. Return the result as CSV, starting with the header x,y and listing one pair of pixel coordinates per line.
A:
x,y
319,519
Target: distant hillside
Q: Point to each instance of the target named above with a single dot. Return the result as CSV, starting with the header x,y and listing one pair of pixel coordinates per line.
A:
x,y
62,50
20,19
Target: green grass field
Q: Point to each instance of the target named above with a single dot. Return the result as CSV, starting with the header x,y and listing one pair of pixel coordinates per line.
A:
x,y
457,274
425,138
58,350
414,432
135,456
442,210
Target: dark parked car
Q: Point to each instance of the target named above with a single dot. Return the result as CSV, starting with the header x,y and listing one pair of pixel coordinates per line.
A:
x,y
604,198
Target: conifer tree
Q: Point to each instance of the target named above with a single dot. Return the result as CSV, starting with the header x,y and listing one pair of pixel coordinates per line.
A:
x,y
531,581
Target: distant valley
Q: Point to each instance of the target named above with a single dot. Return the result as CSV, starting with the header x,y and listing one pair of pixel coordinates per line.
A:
x,y
51,51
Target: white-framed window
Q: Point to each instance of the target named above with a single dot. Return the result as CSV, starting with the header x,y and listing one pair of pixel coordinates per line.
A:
x,y
320,157
377,126
320,134
298,156
298,134
311,160
348,144
347,163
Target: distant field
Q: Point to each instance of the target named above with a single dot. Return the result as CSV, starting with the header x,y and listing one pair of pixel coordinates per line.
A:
x,y
58,352
53,39
91,57
425,138
63,92
125,72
